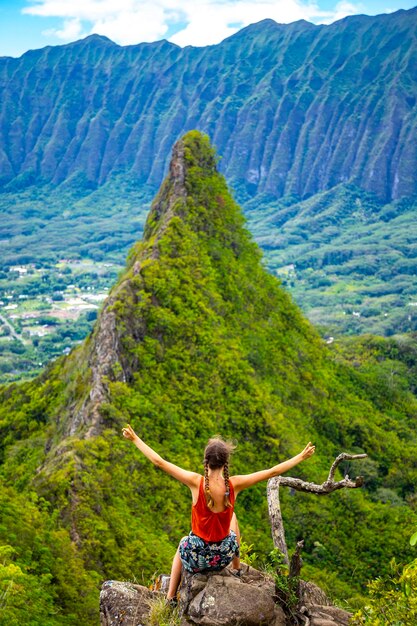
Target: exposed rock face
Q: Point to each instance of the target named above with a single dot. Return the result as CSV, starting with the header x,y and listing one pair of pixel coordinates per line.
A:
x,y
317,607
219,599
106,359
293,108
102,361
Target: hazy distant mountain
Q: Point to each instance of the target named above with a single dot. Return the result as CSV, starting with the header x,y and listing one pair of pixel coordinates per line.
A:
x,y
293,108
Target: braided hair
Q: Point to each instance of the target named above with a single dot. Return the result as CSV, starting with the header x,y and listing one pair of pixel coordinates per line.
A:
x,y
217,455
209,497
226,482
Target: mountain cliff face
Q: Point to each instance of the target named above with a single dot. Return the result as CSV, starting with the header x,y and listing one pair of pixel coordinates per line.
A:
x,y
294,109
196,338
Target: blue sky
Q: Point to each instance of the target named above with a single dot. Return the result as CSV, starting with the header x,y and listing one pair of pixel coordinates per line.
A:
x,y
28,24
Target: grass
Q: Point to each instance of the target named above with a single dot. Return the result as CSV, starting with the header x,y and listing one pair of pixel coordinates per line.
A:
x,y
161,614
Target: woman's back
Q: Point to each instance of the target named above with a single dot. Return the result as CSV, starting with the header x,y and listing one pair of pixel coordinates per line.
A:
x,y
212,523
217,489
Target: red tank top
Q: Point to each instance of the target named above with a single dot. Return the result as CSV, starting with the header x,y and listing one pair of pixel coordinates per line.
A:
x,y
205,523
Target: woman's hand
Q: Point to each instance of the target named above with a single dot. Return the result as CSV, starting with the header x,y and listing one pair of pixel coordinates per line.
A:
x,y
308,451
129,433
191,479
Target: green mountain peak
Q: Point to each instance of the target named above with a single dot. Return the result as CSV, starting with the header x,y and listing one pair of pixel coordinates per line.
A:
x,y
195,265
193,162
197,195
194,225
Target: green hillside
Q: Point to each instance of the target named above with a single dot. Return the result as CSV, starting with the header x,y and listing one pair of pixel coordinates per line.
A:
x,y
196,337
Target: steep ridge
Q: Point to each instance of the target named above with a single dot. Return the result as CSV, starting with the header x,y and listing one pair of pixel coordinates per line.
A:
x,y
195,338
293,109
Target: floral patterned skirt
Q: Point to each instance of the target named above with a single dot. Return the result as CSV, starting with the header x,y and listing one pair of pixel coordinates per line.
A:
x,y
198,555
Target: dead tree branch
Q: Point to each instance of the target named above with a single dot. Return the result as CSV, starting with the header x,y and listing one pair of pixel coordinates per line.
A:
x,y
275,517
296,560
329,485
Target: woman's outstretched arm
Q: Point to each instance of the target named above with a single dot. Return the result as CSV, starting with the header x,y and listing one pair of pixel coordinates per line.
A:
x,y
191,479
247,480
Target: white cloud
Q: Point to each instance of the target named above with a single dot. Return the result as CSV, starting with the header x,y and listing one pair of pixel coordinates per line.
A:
x,y
210,22
196,22
130,27
72,29
342,9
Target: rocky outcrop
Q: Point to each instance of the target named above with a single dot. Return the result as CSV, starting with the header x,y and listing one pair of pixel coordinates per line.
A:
x,y
220,599
103,362
124,603
293,108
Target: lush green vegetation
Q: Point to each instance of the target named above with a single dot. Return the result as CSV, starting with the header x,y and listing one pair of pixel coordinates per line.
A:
x,y
42,578
392,598
207,341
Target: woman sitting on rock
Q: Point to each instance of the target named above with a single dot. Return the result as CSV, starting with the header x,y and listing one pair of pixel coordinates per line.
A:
x,y
213,542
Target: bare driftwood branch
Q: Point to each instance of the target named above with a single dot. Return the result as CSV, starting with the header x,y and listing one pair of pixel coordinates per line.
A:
x,y
277,525
345,457
329,485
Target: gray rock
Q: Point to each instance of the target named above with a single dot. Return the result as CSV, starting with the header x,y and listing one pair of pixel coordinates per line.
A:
x,y
311,594
124,604
327,616
193,584
217,599
225,601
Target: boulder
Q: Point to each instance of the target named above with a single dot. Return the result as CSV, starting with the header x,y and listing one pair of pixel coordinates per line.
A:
x,y
124,604
315,604
218,599
311,594
222,599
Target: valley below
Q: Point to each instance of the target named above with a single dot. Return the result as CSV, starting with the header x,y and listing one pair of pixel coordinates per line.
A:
x,y
348,260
